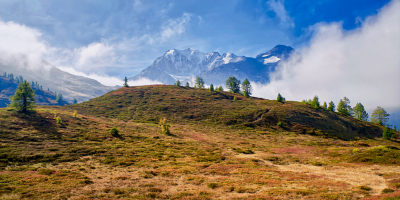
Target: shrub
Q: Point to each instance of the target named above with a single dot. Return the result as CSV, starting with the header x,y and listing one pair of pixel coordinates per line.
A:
x,y
46,172
58,120
75,114
234,98
118,191
114,132
366,188
387,190
279,124
388,133
355,150
212,185
164,126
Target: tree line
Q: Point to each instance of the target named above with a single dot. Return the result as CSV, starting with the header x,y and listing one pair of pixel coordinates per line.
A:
x,y
232,84
378,116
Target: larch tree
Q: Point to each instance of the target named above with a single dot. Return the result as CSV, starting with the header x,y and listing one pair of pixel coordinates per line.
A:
x,y
324,106
315,102
279,98
246,88
359,112
24,98
126,82
211,87
342,108
178,83
380,116
199,83
331,106
233,84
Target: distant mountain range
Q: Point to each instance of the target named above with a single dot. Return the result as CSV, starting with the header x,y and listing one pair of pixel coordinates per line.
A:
x,y
43,97
186,65
69,85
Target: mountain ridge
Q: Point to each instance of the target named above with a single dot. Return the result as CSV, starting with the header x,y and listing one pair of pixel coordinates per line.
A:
x,y
185,65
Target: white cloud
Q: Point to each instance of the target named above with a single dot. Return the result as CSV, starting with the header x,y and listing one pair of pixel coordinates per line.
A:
x,y
279,8
175,27
21,46
143,81
362,64
102,78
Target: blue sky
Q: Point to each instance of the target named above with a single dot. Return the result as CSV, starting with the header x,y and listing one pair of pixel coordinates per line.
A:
x,y
120,38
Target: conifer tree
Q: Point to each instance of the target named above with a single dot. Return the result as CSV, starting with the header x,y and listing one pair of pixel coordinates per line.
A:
x,y
126,82
5,74
246,88
324,105
24,98
233,85
342,108
331,106
178,83
279,98
59,98
187,84
33,84
359,112
348,106
199,83
380,116
315,102
220,89
211,87
75,101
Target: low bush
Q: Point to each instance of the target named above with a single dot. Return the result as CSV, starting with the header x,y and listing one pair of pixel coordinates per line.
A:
x,y
212,185
114,132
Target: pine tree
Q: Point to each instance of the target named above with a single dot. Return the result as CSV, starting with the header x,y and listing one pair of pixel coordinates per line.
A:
x,y
342,108
359,112
59,98
178,83
348,106
24,98
75,101
246,88
220,89
380,116
33,84
199,83
126,82
331,106
187,84
5,74
324,105
233,85
211,87
279,98
315,102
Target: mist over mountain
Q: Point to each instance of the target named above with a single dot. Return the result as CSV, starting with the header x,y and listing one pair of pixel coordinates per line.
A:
x,y
69,85
186,65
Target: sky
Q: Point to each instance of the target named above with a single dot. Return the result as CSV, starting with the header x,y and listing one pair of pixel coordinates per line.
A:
x,y
110,39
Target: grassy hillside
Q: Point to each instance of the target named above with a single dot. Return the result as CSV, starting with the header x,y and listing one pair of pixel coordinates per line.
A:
x,y
185,105
219,149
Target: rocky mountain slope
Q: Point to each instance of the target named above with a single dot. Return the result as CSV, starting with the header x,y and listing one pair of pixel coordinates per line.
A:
x,y
186,65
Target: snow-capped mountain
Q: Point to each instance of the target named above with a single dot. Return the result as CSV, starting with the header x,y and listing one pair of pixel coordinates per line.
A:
x,y
186,65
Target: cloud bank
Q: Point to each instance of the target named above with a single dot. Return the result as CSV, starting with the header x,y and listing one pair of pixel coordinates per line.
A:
x,y
362,64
